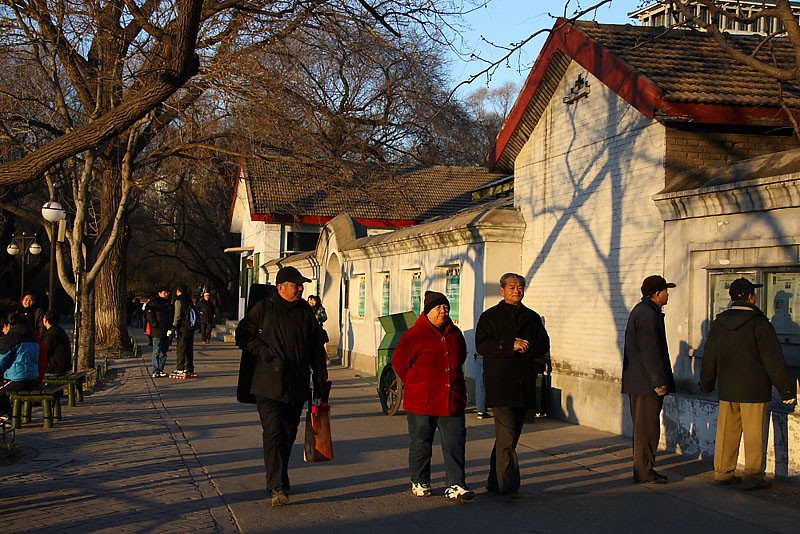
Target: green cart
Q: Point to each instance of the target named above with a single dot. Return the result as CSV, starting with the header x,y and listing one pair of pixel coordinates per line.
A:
x,y
390,388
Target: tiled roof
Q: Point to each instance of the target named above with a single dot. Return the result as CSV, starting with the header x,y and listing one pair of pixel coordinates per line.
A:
x,y
286,187
676,76
690,67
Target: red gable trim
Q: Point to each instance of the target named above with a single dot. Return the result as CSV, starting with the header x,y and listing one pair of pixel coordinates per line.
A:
x,y
635,89
607,67
321,221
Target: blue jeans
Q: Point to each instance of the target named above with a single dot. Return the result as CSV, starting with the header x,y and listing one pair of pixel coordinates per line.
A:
x,y
480,385
421,429
160,347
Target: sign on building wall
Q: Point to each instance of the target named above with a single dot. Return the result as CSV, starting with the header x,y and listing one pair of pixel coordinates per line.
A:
x,y
416,292
386,287
452,289
362,296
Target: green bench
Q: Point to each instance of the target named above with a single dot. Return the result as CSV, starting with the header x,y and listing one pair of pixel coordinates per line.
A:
x,y
21,402
74,383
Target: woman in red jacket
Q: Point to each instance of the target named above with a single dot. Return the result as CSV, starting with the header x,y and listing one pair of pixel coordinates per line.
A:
x,y
428,359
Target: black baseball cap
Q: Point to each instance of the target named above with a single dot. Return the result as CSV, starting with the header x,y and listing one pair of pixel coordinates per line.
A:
x,y
290,274
653,284
741,287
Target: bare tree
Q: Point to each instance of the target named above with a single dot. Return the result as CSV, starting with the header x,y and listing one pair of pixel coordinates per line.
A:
x,y
111,78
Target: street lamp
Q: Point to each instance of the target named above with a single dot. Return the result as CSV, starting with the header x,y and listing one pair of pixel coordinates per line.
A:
x,y
53,212
24,244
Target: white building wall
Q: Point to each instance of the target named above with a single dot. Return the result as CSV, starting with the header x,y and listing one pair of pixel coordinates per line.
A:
x,y
584,183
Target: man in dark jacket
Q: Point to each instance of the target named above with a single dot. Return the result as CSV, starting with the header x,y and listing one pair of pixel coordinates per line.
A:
x,y
158,313
647,375
743,351
208,315
514,345
181,327
283,335
59,356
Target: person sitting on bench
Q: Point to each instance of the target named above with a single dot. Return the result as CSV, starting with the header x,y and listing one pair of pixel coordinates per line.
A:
x,y
19,359
56,340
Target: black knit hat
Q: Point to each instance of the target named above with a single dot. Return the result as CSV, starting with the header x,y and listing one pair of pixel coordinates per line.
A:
x,y
433,299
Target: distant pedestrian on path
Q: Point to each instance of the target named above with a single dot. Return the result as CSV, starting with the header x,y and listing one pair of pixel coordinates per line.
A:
x,y
158,312
283,335
319,312
514,343
182,328
208,316
428,360
647,375
743,352
59,355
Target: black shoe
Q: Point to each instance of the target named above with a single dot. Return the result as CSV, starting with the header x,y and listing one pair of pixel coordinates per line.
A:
x,y
484,415
751,484
659,476
661,480
725,481
513,495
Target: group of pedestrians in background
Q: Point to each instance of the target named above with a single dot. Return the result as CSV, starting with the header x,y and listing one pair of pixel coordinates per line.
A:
x,y
178,320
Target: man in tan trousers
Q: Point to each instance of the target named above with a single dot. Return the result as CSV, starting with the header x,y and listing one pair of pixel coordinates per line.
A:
x,y
744,353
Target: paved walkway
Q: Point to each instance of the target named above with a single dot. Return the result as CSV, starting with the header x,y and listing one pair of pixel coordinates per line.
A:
x,y
145,455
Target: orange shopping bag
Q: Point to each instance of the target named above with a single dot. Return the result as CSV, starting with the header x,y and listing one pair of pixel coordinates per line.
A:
x,y
318,444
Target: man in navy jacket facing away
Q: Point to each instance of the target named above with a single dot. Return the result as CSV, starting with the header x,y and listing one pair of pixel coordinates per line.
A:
x,y
647,375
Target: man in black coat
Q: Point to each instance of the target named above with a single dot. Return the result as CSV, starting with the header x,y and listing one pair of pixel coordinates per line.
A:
x,y
647,375
514,345
181,327
743,352
158,313
59,356
208,315
283,335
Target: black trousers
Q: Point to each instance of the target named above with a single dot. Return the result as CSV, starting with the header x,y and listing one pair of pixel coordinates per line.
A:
x,y
185,350
279,422
646,417
504,464
205,331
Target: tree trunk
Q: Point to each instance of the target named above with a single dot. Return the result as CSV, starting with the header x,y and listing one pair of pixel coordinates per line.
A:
x,y
111,313
86,334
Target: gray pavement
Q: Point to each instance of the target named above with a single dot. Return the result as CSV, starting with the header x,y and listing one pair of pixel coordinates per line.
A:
x,y
160,455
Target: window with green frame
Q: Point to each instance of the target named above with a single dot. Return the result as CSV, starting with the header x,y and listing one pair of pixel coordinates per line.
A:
x,y
452,290
362,296
416,292
386,289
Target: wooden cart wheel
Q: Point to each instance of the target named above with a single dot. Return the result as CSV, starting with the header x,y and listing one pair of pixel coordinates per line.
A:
x,y
390,392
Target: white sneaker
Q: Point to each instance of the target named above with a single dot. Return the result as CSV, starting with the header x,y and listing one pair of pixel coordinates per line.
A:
x,y
458,493
421,489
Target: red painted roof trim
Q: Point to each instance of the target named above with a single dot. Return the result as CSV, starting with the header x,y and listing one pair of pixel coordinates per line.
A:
x,y
321,221
607,67
635,89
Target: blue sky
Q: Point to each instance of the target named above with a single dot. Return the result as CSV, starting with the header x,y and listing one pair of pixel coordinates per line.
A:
x,y
509,21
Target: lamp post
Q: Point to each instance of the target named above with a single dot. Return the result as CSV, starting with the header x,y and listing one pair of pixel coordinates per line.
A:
x,y
26,245
53,212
